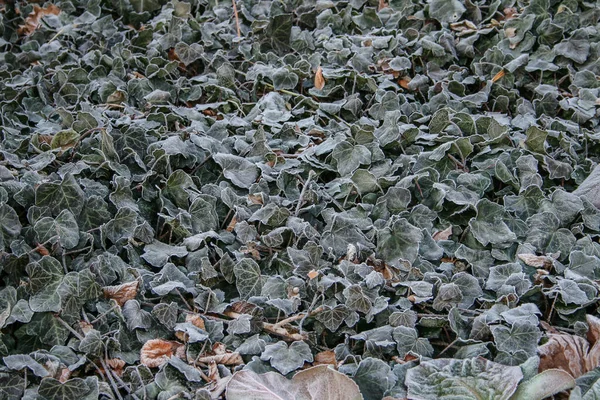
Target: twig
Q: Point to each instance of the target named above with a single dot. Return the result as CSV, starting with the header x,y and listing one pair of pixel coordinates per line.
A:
x,y
69,328
113,384
237,19
272,328
299,316
311,174
449,346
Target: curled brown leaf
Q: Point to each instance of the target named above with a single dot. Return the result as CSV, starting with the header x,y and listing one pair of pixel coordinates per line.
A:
x,y
572,353
223,359
156,352
319,79
121,293
443,235
33,20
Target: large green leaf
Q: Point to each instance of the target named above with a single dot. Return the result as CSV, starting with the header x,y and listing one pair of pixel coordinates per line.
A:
x,y
474,378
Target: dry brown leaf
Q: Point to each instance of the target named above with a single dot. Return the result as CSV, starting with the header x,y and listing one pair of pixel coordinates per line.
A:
x,y
498,76
196,320
510,32
121,293
223,359
443,235
156,352
509,12
117,365
325,357
255,199
219,348
33,20
566,352
85,327
572,353
404,81
43,251
319,79
312,274
382,5
65,374
535,261
232,224
213,372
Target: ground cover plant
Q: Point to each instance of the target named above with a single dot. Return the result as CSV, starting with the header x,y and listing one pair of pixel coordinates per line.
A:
x,y
299,199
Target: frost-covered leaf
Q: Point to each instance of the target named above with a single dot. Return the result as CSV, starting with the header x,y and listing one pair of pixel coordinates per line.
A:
x,y
287,359
473,378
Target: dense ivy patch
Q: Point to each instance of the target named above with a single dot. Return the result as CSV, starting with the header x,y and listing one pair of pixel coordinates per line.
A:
x,y
188,189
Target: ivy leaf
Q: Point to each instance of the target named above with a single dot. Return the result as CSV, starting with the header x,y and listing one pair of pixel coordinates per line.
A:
x,y
287,359
399,241
521,336
350,157
240,171
446,11
408,340
63,229
473,378
10,226
76,388
59,196
19,362
158,253
248,278
333,318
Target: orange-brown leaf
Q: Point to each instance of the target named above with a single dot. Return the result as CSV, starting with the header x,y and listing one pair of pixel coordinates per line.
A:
x,y
319,79
196,320
403,82
325,357
33,20
498,76
232,224
121,293
312,274
117,365
443,235
42,251
572,353
223,359
156,352
535,261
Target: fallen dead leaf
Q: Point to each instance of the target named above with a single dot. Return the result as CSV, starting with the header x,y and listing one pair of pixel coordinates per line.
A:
x,y
443,235
43,251
572,353
85,327
382,4
156,352
223,359
33,20
319,79
65,374
498,76
536,261
196,320
404,81
509,12
121,293
510,32
232,224
255,199
312,274
117,365
325,357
